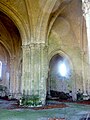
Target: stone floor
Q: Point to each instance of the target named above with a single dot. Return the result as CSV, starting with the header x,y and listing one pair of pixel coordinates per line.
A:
x,y
74,111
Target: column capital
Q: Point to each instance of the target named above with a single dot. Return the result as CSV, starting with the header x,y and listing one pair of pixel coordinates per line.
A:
x,y
34,45
37,44
25,46
86,7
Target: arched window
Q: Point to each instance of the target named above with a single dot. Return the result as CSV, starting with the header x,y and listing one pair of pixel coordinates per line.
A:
x,y
0,70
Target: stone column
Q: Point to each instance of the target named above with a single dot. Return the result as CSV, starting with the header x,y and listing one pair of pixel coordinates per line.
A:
x,y
35,68
34,72
14,80
88,89
83,73
25,83
86,13
39,70
48,83
74,85
44,72
12,75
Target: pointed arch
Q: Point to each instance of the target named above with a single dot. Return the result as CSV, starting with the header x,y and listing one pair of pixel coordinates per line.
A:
x,y
16,18
61,53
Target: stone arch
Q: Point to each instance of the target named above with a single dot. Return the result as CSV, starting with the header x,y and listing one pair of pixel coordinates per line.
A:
x,y
55,16
6,47
19,23
16,19
52,85
4,42
5,59
48,7
61,53
4,50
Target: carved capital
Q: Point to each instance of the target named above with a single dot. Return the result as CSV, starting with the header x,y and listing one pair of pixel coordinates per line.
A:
x,y
37,45
25,47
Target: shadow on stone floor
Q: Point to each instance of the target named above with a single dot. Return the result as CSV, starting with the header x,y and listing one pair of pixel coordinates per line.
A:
x,y
13,104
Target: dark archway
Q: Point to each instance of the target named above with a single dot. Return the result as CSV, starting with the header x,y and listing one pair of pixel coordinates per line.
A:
x,y
5,67
11,40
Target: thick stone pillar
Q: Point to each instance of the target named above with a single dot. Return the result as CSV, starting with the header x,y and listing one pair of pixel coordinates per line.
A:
x,y
83,74
74,86
12,76
34,72
86,13
44,72
25,87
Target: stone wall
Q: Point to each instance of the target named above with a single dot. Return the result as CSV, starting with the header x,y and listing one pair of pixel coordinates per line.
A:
x,y
40,29
68,36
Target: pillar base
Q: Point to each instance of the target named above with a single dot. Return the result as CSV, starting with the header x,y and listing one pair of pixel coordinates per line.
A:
x,y
85,96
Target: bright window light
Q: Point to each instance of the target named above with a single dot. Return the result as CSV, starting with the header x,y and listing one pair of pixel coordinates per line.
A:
x,y
62,70
0,69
